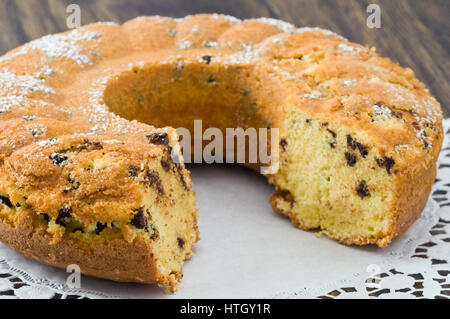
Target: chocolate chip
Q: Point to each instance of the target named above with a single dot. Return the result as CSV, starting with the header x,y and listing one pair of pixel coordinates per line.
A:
x,y
75,184
6,201
351,159
182,179
332,133
386,162
245,92
88,144
283,144
356,145
158,138
179,168
362,189
333,144
95,143
172,32
18,205
100,227
350,142
37,132
363,150
325,124
207,59
58,159
155,233
132,171
180,242
46,217
59,221
398,115
139,221
308,121
166,165
65,212
153,180
211,79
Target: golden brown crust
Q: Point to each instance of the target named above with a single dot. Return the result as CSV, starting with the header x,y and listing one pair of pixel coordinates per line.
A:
x,y
114,259
413,192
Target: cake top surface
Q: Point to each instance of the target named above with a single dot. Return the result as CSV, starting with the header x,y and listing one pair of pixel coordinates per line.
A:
x,y
52,89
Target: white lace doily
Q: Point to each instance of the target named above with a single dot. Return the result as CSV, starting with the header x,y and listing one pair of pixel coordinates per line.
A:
x,y
248,251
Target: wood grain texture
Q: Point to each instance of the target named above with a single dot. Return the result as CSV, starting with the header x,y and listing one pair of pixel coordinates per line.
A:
x,y
415,33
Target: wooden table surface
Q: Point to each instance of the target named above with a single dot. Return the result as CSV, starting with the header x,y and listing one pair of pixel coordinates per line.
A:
x,y
415,33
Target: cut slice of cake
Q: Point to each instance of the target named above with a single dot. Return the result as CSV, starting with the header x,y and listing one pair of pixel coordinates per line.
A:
x,y
119,210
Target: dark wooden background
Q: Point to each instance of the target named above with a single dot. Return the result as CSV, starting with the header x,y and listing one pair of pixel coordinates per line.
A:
x,y
415,33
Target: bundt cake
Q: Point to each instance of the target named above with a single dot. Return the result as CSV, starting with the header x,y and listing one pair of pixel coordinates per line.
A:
x,y
88,178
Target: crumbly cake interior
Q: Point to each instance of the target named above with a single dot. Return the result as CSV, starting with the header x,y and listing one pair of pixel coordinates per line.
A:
x,y
335,183
84,180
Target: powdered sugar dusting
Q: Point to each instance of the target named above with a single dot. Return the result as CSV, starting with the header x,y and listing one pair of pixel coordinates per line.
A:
x,y
381,110
323,31
400,147
227,18
424,138
44,143
8,102
108,23
280,24
344,47
59,46
209,44
44,71
194,29
244,57
348,83
312,96
21,84
98,111
183,45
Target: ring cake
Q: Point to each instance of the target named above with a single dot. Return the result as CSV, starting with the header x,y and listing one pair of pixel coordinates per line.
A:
x,y
89,177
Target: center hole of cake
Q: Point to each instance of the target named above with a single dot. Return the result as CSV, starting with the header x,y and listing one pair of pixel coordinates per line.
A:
x,y
178,94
